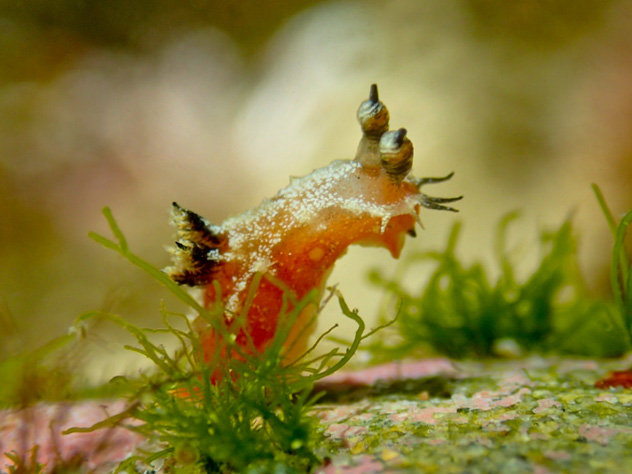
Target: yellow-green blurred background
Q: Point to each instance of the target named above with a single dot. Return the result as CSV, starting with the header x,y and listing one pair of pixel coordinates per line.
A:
x,y
214,104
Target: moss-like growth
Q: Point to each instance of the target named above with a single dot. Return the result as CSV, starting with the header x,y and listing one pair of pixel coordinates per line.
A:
x,y
463,313
621,266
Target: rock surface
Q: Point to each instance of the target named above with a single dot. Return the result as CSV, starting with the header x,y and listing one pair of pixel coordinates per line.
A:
x,y
529,415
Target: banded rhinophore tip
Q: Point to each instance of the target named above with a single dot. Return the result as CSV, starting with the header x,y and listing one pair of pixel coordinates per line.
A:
x,y
373,118
396,154
373,115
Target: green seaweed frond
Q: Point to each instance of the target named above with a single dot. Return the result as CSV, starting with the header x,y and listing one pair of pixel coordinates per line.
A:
x,y
25,464
463,313
621,267
27,376
254,416
47,373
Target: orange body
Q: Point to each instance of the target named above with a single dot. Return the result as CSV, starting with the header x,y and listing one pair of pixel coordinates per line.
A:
x,y
296,236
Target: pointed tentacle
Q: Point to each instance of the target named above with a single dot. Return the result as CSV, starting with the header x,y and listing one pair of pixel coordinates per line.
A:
x,y
419,182
438,200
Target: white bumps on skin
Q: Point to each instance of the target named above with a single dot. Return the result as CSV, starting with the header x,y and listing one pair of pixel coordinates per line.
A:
x,y
253,235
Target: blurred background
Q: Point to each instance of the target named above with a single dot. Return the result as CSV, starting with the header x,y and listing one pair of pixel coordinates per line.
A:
x,y
214,104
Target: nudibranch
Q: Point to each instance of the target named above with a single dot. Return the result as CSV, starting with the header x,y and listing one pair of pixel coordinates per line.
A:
x,y
296,236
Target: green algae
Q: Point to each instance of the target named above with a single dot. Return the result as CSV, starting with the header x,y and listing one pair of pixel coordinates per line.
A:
x,y
621,266
255,417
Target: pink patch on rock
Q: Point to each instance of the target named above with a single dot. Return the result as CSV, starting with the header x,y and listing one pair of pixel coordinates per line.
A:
x,y
607,397
355,431
365,417
344,431
479,401
42,425
546,403
486,400
599,434
498,419
519,379
558,455
511,400
336,430
392,371
424,415
333,414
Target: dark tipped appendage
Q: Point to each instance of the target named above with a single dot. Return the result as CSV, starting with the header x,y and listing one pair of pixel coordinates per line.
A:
x,y
373,115
373,95
399,136
436,202
373,118
196,227
198,248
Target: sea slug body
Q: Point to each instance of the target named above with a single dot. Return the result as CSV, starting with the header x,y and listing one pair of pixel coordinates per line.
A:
x,y
296,236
